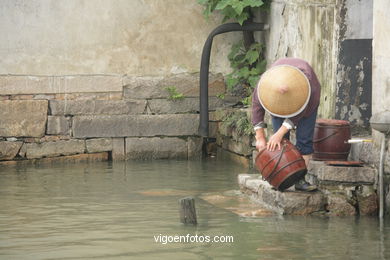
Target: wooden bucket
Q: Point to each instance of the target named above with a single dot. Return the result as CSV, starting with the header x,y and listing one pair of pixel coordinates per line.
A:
x,y
281,168
330,140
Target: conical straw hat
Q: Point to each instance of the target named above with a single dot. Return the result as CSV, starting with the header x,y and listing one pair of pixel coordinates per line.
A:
x,y
284,91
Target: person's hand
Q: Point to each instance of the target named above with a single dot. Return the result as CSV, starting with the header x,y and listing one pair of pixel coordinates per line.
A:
x,y
275,142
261,144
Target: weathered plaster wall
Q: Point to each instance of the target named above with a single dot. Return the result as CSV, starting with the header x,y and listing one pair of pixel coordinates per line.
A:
x,y
138,37
381,57
381,60
380,87
358,19
354,69
381,67
334,36
307,29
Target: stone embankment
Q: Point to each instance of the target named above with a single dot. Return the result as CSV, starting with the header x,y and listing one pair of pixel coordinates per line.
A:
x,y
343,191
139,121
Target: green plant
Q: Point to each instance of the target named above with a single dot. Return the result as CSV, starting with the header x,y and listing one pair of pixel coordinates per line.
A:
x,y
239,10
221,96
173,94
247,66
240,121
247,101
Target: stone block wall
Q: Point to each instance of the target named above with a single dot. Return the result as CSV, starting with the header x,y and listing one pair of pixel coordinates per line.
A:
x,y
232,144
137,122
350,190
370,154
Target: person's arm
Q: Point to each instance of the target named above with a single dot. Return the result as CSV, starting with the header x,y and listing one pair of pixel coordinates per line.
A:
x,y
276,139
258,113
261,141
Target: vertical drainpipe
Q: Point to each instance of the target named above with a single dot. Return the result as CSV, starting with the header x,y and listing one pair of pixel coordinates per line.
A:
x,y
203,129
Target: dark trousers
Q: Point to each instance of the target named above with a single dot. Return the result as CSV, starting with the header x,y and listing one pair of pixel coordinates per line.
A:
x,y
304,132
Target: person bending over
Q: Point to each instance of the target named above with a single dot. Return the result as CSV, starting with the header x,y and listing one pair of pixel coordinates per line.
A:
x,y
290,91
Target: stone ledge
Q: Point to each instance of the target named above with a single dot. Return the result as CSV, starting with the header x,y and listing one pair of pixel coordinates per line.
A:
x,y
8,150
98,145
53,149
287,202
319,173
97,107
332,200
135,125
91,157
155,87
18,84
186,105
156,148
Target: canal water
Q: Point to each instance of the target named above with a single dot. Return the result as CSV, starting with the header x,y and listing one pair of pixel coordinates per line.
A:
x,y
130,210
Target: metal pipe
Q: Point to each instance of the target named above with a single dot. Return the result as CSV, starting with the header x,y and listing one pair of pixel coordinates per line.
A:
x,y
205,64
358,141
380,181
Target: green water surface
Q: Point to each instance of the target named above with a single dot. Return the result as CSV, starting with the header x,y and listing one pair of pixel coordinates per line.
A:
x,y
115,210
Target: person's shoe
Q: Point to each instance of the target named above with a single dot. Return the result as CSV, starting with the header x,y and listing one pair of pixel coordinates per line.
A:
x,y
302,185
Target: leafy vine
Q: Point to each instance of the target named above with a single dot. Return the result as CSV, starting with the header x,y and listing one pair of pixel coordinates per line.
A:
x,y
247,56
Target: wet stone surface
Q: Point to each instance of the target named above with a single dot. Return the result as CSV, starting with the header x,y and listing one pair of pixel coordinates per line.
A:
x,y
342,191
287,203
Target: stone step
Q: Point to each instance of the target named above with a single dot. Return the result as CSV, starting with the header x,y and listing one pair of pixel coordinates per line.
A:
x,y
321,173
332,199
287,203
349,190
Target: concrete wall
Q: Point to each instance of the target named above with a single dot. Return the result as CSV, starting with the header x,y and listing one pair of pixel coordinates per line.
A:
x,y
151,37
308,30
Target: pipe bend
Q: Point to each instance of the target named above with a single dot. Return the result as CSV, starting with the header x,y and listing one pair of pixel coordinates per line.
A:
x,y
205,63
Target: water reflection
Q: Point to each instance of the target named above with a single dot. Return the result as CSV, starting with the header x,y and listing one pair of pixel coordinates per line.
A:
x,y
114,210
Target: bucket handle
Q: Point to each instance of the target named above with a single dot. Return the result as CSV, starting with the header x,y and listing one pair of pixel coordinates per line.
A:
x,y
285,166
276,164
324,138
